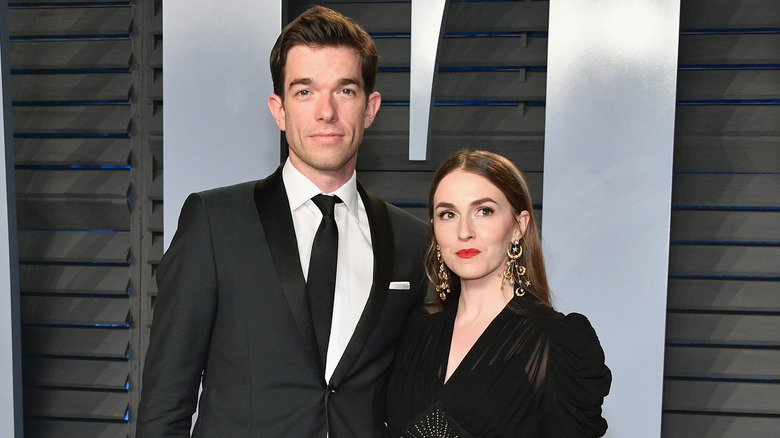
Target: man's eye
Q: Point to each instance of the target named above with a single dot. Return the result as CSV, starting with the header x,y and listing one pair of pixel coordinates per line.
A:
x,y
303,92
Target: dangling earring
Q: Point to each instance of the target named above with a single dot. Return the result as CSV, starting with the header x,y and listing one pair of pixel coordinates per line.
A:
x,y
514,271
443,288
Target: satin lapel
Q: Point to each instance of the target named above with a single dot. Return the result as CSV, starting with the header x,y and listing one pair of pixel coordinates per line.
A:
x,y
274,210
383,248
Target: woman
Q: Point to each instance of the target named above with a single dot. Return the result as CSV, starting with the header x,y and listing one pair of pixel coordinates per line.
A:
x,y
498,361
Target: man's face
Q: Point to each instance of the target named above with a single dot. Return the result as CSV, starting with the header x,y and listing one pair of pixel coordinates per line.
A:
x,y
324,110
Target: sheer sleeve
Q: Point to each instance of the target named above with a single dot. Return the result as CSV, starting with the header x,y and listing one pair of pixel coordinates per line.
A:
x,y
577,382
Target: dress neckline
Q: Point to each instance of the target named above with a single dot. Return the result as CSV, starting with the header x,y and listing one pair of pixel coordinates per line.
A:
x,y
449,328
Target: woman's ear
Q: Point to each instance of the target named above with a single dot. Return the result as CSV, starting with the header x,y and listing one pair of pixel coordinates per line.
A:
x,y
522,220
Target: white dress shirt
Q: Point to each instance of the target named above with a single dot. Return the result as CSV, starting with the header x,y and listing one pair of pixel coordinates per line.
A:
x,y
355,265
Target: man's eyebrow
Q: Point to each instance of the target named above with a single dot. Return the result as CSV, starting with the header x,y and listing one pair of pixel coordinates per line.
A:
x,y
349,81
300,81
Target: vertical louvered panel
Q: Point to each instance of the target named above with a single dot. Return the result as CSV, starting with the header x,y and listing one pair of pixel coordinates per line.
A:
x,y
84,106
489,93
722,377
147,182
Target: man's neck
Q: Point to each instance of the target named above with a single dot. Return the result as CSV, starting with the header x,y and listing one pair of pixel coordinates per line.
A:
x,y
326,180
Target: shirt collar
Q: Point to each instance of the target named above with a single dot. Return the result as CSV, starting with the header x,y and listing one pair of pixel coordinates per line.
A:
x,y
300,189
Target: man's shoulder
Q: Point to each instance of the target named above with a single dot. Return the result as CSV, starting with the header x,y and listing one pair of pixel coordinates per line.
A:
x,y
405,221
229,189
229,192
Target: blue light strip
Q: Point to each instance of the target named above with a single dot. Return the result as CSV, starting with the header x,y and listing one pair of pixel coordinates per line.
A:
x,y
72,134
79,419
495,34
728,66
492,68
722,345
723,379
90,294
727,242
92,230
83,102
471,68
724,312
728,102
727,207
74,263
469,102
94,37
685,172
468,34
77,324
724,277
102,3
73,166
720,413
733,30
76,70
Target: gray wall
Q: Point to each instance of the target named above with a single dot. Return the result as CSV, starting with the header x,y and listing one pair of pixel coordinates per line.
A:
x,y
218,129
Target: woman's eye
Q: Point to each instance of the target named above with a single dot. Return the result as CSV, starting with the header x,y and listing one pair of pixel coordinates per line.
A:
x,y
485,211
446,215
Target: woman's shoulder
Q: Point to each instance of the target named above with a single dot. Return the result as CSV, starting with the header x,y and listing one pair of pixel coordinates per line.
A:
x,y
574,342
578,377
572,328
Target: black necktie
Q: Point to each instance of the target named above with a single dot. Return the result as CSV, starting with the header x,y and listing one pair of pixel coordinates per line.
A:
x,y
321,282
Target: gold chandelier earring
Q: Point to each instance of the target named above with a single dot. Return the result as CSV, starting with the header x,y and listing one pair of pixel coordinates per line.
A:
x,y
443,288
514,271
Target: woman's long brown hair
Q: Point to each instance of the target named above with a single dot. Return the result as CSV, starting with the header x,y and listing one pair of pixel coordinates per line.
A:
x,y
508,178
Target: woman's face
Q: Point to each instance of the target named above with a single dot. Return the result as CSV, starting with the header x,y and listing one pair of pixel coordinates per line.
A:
x,y
474,224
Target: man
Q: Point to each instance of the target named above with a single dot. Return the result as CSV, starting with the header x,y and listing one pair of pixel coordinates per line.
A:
x,y
238,295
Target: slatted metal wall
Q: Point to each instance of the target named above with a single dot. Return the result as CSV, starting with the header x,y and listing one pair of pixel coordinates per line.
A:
x,y
86,86
489,92
722,366
87,91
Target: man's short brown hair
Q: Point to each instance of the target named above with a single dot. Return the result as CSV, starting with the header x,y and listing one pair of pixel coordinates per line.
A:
x,y
323,27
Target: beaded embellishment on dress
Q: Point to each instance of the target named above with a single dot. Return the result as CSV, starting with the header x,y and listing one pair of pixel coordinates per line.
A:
x,y
435,423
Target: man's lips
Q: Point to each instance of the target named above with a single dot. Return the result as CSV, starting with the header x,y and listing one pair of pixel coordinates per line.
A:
x,y
327,137
467,253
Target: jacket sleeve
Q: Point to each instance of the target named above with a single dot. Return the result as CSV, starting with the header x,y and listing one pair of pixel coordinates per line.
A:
x,y
184,313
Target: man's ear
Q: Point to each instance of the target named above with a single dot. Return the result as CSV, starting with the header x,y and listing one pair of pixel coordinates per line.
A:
x,y
372,107
277,109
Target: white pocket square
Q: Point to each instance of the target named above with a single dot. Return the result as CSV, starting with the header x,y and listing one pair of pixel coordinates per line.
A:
x,y
399,285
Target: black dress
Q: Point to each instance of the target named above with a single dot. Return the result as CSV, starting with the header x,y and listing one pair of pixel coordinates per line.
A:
x,y
532,373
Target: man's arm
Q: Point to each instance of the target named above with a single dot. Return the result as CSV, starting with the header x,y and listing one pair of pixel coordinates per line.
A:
x,y
184,313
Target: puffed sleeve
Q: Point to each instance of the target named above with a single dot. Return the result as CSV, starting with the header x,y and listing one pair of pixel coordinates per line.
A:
x,y
577,382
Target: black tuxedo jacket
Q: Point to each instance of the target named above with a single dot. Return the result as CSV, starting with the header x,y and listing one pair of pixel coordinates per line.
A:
x,y
232,308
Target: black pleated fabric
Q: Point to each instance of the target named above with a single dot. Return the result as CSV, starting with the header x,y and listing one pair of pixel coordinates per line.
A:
x,y
533,373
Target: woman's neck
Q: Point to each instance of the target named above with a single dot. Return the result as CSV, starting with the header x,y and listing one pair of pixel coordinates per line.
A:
x,y
483,298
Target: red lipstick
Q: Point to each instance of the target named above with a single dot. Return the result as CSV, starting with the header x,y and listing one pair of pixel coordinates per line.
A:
x,y
467,253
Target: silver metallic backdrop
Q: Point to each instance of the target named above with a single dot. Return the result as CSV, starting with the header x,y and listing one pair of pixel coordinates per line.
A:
x,y
609,134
